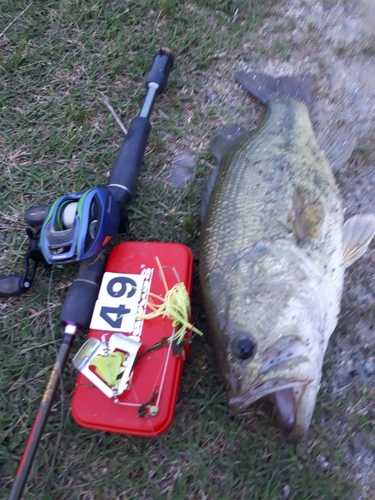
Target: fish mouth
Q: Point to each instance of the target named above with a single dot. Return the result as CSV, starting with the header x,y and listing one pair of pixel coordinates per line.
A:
x,y
286,390
286,394
288,372
259,390
285,365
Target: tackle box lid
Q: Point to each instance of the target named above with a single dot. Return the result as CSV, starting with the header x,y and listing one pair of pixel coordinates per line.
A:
x,y
137,273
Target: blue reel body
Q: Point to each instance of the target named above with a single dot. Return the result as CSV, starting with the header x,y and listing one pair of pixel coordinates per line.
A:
x,y
79,225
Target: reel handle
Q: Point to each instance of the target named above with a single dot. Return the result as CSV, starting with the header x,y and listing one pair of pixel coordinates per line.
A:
x,y
11,286
35,216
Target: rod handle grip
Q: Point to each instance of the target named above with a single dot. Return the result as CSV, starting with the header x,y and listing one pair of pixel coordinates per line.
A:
x,y
128,163
79,302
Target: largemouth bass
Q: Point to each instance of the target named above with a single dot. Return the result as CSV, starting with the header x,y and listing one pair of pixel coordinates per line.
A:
x,y
274,248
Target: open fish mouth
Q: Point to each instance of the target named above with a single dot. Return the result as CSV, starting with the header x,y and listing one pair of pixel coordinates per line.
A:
x,y
288,371
279,387
286,394
284,366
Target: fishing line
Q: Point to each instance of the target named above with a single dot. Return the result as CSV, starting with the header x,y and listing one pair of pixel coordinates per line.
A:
x,y
62,399
165,369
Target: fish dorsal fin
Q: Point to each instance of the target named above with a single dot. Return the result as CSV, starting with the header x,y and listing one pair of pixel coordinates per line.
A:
x,y
338,145
223,140
358,232
307,215
265,87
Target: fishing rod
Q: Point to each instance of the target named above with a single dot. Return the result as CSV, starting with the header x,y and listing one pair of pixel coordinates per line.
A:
x,y
62,238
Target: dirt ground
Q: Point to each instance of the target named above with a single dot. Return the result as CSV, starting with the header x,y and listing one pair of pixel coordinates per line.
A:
x,y
335,42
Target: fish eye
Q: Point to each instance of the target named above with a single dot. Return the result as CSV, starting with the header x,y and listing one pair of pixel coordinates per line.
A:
x,y
243,347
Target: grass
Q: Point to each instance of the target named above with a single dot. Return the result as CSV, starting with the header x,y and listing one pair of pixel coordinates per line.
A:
x,y
57,137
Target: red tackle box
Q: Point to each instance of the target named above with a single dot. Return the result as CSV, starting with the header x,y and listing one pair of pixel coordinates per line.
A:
x,y
156,375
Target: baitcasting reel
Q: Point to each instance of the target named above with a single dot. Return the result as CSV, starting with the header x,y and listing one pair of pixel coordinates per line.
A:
x,y
76,227
79,225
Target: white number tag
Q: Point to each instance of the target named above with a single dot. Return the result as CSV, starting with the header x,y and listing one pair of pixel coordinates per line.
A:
x,y
119,300
113,317
121,287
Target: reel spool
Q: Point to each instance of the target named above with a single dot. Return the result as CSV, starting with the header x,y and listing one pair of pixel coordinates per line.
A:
x,y
79,225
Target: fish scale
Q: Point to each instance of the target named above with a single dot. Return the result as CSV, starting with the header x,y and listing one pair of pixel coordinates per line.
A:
x,y
257,179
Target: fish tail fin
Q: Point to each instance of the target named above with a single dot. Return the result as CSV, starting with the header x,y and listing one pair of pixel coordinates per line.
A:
x,y
265,87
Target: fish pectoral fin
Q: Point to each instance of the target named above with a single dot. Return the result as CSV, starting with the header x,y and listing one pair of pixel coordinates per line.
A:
x,y
307,215
358,231
207,191
223,140
338,146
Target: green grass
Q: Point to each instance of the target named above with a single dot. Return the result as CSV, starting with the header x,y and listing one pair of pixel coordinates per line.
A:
x,y
57,137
